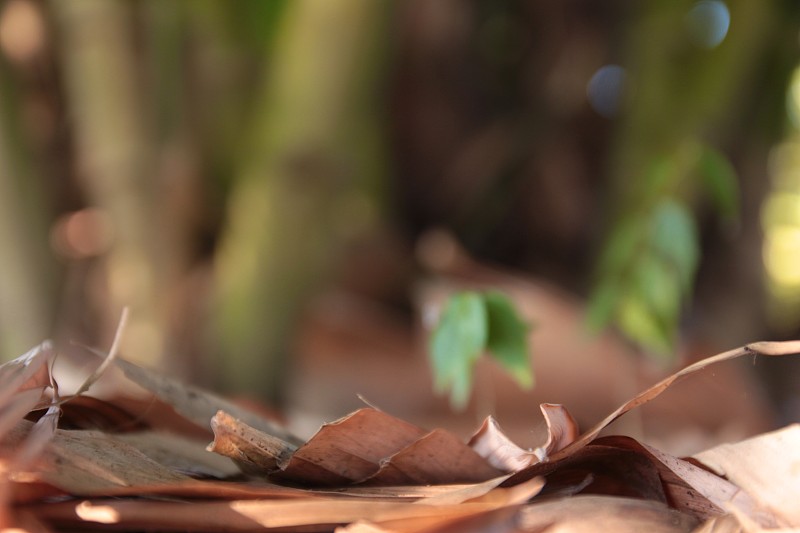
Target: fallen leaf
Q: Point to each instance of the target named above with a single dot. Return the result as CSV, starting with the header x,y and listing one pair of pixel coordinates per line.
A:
x,y
611,470
22,384
198,405
501,452
181,454
692,489
436,458
350,449
246,515
766,467
598,514
90,462
254,451
491,443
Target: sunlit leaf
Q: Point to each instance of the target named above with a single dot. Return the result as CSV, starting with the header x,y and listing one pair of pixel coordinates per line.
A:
x,y
508,338
458,341
719,177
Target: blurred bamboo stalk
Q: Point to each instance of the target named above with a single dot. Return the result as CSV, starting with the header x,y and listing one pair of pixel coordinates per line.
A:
x,y
305,162
115,158
26,266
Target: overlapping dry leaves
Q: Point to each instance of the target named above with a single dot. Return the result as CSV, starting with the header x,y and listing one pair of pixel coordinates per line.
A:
x,y
81,464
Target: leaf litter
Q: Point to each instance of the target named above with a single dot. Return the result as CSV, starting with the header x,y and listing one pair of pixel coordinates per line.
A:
x,y
368,471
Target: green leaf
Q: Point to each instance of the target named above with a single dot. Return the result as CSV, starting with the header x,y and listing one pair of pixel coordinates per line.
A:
x,y
720,180
508,338
674,238
458,340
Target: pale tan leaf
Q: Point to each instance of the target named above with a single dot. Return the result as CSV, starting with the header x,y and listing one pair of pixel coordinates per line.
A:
x,y
37,439
90,462
17,407
720,524
181,454
462,493
254,451
362,526
491,443
26,371
514,495
22,384
436,458
246,515
690,488
196,404
766,467
599,514
507,501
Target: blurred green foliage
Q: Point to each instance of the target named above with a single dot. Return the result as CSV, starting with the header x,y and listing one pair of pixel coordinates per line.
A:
x,y
647,269
211,164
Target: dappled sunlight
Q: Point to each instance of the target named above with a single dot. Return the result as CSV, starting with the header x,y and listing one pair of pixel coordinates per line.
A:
x,y
780,218
102,514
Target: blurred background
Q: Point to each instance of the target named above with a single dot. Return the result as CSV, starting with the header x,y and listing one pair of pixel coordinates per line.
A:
x,y
283,192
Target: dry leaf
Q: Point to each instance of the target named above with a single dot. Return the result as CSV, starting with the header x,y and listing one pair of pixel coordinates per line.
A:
x,y
350,449
197,405
254,451
255,515
181,454
438,457
22,384
692,489
767,468
366,446
491,443
90,462
598,514
371,445
611,471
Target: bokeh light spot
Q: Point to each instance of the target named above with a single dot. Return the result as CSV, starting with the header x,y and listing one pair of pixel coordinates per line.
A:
x,y
605,90
82,234
707,23
21,30
793,99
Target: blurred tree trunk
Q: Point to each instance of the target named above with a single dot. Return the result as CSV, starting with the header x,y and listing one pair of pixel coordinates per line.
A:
x,y
26,266
115,160
301,187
